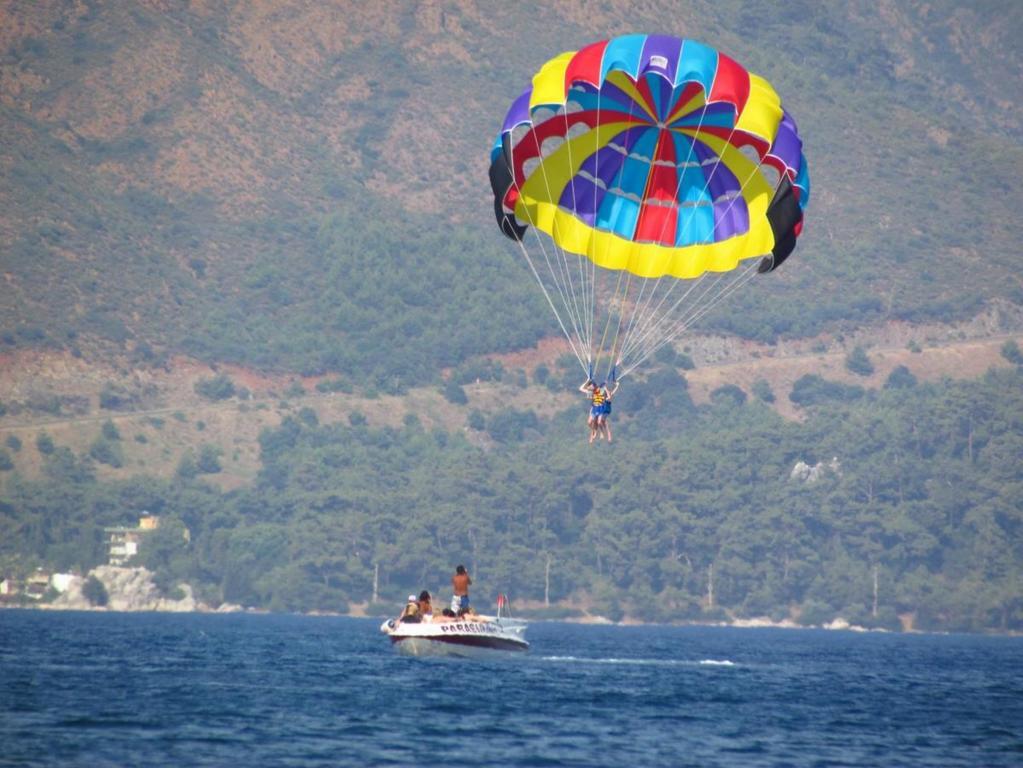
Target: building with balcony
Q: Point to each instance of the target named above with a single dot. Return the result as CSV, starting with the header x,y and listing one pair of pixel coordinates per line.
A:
x,y
124,541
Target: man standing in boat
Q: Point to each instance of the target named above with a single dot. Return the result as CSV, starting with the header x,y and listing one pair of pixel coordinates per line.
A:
x,y
460,586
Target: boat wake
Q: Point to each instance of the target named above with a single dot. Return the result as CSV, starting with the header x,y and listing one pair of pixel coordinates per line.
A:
x,y
642,662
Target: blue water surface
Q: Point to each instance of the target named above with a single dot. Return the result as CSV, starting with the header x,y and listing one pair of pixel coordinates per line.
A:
x,y
109,689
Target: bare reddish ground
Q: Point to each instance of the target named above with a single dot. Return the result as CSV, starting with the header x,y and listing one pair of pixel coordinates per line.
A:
x,y
545,352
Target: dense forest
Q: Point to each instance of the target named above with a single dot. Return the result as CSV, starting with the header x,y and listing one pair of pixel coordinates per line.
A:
x,y
693,513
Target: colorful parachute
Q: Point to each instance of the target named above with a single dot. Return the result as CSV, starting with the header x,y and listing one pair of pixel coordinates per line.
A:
x,y
658,176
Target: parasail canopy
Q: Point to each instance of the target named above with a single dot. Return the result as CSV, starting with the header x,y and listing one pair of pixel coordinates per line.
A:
x,y
657,176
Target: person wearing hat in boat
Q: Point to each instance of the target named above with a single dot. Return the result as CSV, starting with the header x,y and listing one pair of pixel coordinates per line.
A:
x,y
460,586
410,613
425,606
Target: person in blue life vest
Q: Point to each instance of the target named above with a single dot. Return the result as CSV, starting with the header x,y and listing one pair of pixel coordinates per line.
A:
x,y
602,423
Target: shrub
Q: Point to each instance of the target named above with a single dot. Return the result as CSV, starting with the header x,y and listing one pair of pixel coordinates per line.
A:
x,y
107,452
44,444
357,419
110,431
113,398
1011,352
816,613
333,385
900,378
14,443
308,416
667,355
209,460
729,394
762,391
94,591
857,362
454,393
187,468
6,462
478,369
541,373
508,426
219,387
476,421
811,389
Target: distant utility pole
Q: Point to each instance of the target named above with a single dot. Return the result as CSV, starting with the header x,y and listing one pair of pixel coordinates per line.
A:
x,y
710,586
874,614
376,581
547,583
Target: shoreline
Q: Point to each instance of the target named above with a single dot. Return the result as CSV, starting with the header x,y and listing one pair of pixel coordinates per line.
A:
x,y
836,625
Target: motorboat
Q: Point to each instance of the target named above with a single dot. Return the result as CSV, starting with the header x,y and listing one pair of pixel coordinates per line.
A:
x,y
466,636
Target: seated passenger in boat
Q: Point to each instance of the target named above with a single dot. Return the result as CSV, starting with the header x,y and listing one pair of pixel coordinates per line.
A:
x,y
469,614
425,606
410,613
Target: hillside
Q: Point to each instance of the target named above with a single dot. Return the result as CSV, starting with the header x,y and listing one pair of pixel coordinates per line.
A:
x,y
697,511
270,184
162,418
250,282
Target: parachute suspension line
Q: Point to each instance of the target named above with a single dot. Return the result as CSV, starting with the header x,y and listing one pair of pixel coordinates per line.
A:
x,y
669,326
593,264
547,295
575,341
607,321
643,312
683,325
572,304
620,302
650,325
696,313
615,301
665,318
586,311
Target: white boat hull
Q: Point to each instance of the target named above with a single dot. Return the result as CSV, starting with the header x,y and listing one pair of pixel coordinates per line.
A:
x,y
457,638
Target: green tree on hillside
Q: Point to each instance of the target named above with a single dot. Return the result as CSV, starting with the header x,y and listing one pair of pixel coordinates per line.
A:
x,y
858,362
1012,353
219,387
44,444
94,591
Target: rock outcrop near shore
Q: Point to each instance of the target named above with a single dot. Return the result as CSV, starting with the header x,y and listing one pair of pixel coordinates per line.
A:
x,y
128,589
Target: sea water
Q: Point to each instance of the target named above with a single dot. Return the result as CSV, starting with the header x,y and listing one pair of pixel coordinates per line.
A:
x,y
108,689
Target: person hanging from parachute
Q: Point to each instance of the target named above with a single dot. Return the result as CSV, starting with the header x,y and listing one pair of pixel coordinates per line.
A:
x,y
602,423
600,397
595,394
656,176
